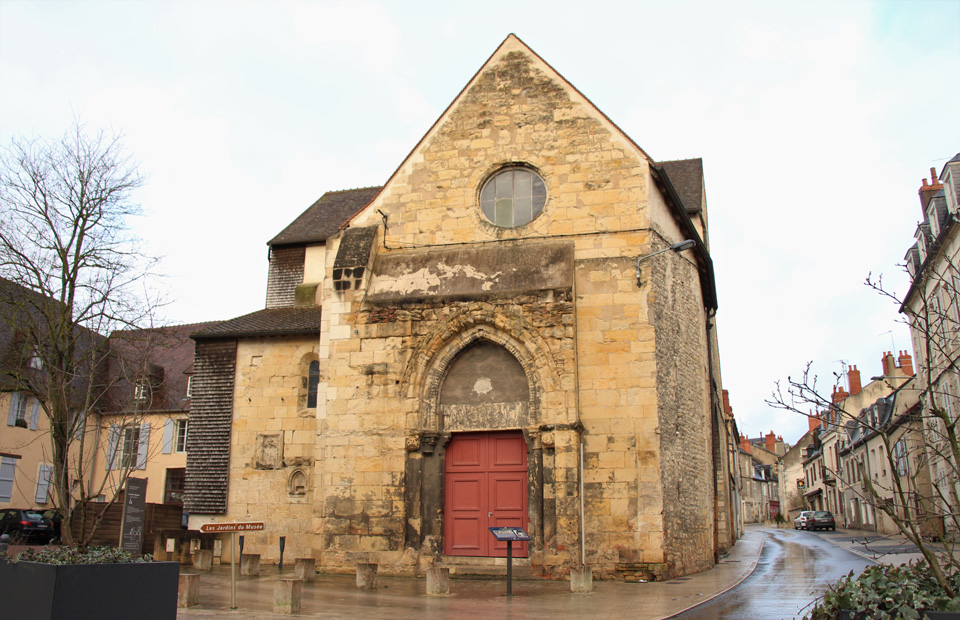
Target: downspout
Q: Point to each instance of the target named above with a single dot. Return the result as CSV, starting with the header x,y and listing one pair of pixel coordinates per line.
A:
x,y
713,441
580,431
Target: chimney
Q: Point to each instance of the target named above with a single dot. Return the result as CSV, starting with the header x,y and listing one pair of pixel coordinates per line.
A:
x,y
726,403
889,364
814,421
838,394
853,379
771,440
745,444
928,191
906,363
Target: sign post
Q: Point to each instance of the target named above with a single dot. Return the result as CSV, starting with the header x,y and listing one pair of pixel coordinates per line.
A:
x,y
509,534
134,510
232,528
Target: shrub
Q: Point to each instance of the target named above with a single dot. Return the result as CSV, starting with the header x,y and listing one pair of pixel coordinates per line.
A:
x,y
76,555
885,591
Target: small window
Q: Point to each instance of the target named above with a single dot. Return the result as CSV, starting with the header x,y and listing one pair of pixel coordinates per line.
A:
x,y
181,435
8,471
313,382
141,391
513,197
34,361
189,386
129,447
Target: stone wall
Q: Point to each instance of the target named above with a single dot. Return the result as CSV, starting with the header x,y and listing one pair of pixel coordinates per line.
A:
x,y
274,437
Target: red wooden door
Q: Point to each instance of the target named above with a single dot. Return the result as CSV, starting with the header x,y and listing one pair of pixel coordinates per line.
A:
x,y
485,486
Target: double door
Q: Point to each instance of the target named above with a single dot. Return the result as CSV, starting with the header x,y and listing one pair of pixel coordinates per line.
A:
x,y
485,486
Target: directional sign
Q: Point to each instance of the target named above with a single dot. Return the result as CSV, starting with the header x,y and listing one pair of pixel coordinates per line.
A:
x,y
214,528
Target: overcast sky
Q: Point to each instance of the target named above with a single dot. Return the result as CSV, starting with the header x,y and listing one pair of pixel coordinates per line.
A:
x,y
816,123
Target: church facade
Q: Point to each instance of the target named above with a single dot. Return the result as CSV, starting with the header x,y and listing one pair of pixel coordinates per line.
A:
x,y
491,338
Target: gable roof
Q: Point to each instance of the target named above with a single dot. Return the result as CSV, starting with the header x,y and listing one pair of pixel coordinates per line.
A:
x,y
324,217
269,322
511,43
687,178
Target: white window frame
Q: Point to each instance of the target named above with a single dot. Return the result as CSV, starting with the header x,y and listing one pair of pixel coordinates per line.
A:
x,y
181,428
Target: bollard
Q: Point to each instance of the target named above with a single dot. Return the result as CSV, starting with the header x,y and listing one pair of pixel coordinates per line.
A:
x,y
306,569
581,579
438,581
4,541
286,595
203,559
188,590
366,576
250,565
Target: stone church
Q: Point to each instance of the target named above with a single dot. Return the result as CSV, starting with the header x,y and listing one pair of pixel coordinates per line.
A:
x,y
485,340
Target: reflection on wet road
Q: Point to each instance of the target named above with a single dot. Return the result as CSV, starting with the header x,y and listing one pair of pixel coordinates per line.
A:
x,y
795,568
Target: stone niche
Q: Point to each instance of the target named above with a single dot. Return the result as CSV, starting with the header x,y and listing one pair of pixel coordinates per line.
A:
x,y
486,387
269,453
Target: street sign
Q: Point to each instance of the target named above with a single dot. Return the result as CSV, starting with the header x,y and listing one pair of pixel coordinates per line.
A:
x,y
216,528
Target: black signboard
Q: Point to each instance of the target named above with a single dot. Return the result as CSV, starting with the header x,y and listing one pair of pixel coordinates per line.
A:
x,y
134,510
509,533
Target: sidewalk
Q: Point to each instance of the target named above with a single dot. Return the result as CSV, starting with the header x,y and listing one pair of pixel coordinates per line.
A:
x,y
874,546
336,597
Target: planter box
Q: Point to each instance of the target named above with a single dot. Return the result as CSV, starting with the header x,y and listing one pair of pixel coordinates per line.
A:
x,y
32,591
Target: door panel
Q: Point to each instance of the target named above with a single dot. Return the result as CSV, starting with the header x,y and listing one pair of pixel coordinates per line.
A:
x,y
485,486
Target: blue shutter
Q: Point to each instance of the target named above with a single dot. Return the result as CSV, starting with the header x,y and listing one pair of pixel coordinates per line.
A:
x,y
14,405
144,446
168,425
35,414
43,484
112,442
8,471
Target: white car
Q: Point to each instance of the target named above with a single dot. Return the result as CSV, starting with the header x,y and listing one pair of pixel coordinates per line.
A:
x,y
800,523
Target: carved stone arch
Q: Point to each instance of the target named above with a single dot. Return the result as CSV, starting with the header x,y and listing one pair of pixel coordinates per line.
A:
x,y
528,346
430,411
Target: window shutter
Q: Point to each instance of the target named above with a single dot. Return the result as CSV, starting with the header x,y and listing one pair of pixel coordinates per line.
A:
x,y
8,470
43,484
168,425
14,405
144,445
35,414
112,442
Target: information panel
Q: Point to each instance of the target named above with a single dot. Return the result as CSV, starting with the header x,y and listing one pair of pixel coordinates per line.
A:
x,y
134,509
509,533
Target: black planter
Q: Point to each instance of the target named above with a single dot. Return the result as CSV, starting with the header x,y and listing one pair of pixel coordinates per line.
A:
x,y
33,591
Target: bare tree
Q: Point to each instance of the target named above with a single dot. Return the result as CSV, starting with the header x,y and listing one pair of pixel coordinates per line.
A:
x,y
920,444
65,207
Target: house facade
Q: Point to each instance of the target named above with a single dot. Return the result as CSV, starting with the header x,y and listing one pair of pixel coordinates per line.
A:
x,y
932,306
491,338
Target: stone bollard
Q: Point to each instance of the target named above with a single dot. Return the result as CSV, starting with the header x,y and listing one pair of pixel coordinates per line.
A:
x,y
286,595
438,581
203,559
188,591
306,569
250,564
366,576
581,579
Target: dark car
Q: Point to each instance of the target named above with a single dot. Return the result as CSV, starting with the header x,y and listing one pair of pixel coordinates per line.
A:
x,y
821,520
26,526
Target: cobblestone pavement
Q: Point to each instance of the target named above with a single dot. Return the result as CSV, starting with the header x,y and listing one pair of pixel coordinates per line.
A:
x,y
336,597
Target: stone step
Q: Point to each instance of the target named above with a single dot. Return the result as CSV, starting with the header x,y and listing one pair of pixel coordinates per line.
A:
x,y
486,568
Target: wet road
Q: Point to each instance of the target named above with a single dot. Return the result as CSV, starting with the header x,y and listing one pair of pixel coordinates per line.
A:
x,y
795,568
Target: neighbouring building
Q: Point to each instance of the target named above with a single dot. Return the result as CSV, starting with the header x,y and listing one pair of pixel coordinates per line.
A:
x,y
792,475
142,426
760,477
491,338
932,306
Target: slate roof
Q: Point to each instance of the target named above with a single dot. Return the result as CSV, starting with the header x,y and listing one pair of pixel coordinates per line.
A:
x,y
686,175
269,322
324,217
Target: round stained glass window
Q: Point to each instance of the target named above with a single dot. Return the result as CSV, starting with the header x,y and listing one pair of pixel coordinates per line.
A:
x,y
512,197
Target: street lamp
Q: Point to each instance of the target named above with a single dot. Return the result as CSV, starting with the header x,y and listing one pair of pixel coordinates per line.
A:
x,y
676,247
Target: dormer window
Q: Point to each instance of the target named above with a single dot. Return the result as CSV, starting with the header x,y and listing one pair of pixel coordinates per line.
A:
x,y
513,196
141,391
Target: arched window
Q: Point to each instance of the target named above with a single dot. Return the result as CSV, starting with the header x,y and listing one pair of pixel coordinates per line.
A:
x,y
313,380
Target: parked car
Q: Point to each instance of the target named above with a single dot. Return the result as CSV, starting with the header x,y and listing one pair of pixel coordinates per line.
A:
x,y
24,525
821,520
800,523
54,515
